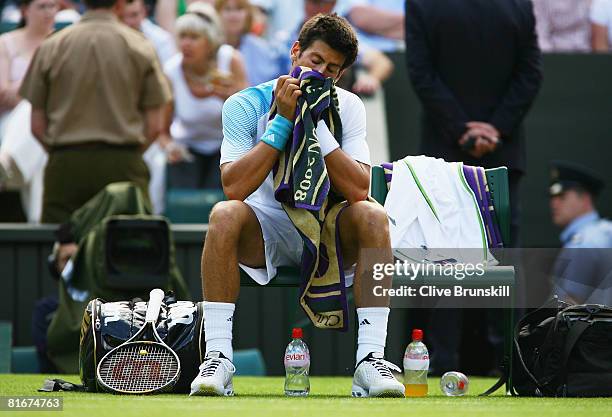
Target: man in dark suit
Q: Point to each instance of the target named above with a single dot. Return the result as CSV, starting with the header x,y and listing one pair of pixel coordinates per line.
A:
x,y
476,67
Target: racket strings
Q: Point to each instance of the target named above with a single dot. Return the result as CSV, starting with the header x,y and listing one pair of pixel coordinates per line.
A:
x,y
139,368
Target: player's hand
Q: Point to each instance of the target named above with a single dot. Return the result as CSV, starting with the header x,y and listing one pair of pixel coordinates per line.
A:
x,y
286,95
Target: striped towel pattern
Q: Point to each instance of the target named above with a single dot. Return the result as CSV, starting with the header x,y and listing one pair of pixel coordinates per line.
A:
x,y
302,186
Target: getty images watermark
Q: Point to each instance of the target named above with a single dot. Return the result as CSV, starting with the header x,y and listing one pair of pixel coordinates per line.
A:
x,y
438,278
480,278
411,271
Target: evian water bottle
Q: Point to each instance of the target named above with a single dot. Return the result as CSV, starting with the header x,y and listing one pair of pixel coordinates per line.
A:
x,y
297,365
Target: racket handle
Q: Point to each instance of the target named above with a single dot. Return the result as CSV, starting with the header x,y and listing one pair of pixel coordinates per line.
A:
x,y
155,299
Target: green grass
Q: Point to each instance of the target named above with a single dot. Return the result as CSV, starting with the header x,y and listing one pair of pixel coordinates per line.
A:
x,y
329,397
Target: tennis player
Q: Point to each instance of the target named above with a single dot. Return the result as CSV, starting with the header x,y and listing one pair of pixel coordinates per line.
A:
x,y
251,231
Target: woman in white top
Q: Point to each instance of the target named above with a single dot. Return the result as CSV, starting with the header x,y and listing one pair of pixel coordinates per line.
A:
x,y
17,48
203,75
21,157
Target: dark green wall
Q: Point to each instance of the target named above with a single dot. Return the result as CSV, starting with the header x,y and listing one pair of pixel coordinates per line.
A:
x,y
571,119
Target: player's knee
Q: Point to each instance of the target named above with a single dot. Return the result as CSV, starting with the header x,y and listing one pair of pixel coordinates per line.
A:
x,y
371,220
226,218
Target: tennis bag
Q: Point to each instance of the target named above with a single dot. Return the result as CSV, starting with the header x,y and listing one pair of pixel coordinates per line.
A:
x,y
563,350
107,325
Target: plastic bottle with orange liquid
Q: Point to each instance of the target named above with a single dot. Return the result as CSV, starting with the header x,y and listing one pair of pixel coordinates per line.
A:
x,y
416,365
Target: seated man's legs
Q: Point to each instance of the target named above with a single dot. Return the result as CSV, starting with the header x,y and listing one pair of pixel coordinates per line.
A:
x,y
364,233
234,235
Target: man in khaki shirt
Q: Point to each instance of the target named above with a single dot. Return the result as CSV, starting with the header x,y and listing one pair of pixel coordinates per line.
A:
x,y
97,94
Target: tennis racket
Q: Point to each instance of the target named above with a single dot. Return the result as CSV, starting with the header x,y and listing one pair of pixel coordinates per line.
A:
x,y
144,364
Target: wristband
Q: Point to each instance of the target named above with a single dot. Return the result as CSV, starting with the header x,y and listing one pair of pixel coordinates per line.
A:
x,y
277,133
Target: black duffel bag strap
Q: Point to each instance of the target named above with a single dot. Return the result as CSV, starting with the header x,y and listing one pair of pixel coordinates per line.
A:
x,y
505,373
504,367
573,335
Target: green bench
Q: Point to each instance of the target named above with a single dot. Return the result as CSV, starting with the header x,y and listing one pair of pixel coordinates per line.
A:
x,y
185,205
497,179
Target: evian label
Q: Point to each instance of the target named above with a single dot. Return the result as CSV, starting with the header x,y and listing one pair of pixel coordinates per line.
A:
x,y
416,362
297,359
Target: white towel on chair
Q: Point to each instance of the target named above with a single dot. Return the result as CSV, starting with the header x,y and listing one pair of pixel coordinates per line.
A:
x,y
450,220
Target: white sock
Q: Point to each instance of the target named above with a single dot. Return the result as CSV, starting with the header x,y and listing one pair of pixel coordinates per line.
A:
x,y
218,320
372,334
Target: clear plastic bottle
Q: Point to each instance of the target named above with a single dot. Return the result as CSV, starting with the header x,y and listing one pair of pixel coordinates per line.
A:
x,y
454,384
297,366
416,365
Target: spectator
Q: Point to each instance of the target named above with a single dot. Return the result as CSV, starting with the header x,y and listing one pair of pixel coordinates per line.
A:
x,y
476,76
17,48
167,11
135,16
21,158
203,76
260,19
113,112
260,58
380,23
601,25
563,25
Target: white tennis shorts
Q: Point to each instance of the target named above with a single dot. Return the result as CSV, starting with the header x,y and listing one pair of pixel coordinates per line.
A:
x,y
282,244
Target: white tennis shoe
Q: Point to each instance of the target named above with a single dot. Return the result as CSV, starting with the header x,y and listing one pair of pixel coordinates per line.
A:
x,y
373,378
215,376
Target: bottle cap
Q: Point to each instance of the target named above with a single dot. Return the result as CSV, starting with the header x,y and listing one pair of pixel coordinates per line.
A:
x,y
417,334
297,333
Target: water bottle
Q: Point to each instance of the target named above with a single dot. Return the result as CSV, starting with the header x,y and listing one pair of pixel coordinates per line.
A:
x,y
416,365
454,384
297,365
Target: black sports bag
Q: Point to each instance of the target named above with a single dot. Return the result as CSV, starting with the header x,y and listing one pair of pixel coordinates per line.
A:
x,y
562,350
107,325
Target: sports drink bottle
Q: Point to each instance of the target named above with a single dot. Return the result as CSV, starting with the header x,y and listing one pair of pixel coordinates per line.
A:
x,y
416,365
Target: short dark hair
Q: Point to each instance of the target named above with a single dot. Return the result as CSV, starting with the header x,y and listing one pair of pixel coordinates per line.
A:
x,y
335,31
99,4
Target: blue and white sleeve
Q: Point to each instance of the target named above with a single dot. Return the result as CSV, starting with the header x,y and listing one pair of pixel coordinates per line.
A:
x,y
239,120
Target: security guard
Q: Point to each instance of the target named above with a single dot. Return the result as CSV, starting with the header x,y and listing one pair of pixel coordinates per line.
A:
x,y
583,269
